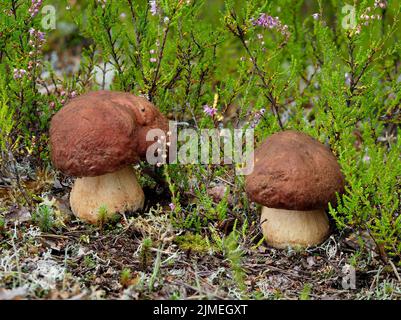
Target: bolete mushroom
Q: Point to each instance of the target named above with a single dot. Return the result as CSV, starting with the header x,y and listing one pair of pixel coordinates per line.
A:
x,y
294,179
95,137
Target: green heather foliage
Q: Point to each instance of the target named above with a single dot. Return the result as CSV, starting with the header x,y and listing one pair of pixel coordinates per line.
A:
x,y
212,64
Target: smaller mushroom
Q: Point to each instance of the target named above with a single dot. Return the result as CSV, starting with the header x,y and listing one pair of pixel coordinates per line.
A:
x,y
294,178
96,137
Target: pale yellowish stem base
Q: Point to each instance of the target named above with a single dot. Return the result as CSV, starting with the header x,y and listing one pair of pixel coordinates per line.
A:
x,y
291,228
117,192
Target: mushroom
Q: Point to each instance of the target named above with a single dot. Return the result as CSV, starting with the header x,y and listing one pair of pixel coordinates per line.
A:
x,y
294,179
96,137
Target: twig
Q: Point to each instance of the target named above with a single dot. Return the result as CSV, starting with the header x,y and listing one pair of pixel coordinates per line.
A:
x,y
160,58
395,270
240,34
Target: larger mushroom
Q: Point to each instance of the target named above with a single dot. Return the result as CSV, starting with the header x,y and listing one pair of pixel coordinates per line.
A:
x,y
96,137
294,178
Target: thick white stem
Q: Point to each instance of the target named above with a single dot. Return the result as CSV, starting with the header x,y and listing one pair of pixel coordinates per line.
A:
x,y
291,228
117,192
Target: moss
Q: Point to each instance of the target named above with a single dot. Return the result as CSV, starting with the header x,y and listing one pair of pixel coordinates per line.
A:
x,y
195,243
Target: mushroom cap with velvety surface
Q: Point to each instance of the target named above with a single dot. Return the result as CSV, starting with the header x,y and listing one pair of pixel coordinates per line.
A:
x,y
101,132
293,171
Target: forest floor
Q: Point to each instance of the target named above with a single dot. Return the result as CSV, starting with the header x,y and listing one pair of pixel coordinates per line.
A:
x,y
143,256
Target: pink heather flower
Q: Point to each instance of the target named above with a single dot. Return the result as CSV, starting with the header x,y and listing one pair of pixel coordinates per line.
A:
x,y
366,18
210,111
153,7
41,35
270,22
37,37
172,206
258,117
34,8
153,60
265,21
382,4
73,94
347,79
19,73
152,51
366,159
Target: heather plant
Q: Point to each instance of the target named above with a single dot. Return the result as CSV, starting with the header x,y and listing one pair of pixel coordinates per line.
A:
x,y
44,217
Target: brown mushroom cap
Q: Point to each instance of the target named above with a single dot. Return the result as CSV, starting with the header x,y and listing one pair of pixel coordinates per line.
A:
x,y
101,132
293,171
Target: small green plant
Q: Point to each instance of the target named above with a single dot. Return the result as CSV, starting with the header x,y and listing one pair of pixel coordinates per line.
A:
x,y
125,277
44,217
2,224
6,117
175,296
306,291
145,254
175,195
234,254
156,269
89,261
84,238
222,207
195,243
103,216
